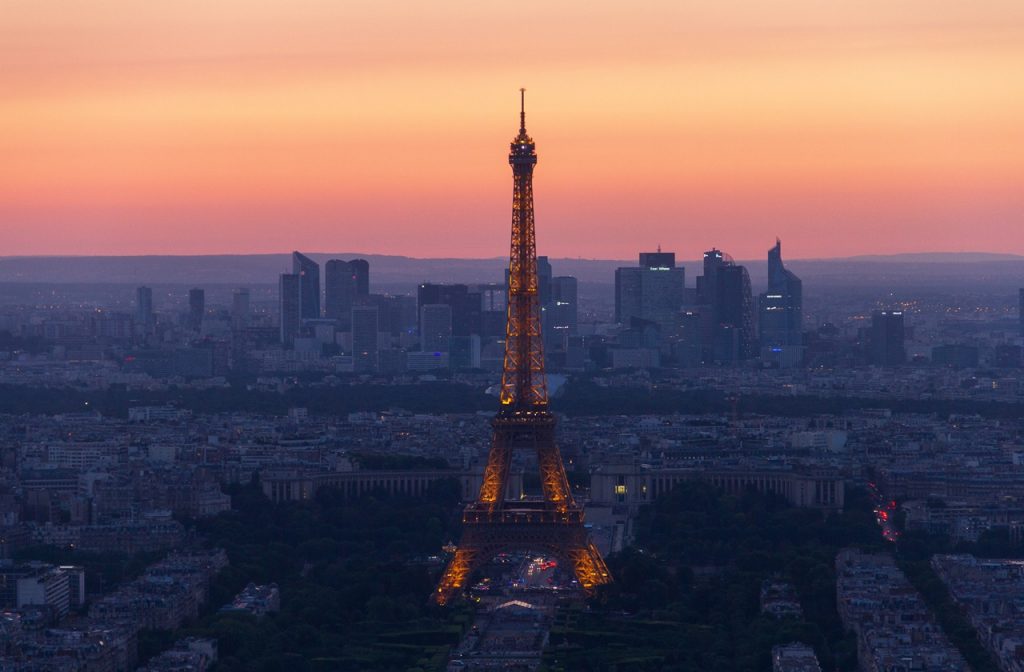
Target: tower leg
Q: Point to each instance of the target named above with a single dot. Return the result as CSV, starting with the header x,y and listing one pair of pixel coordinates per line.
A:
x,y
553,480
590,568
480,544
456,574
499,462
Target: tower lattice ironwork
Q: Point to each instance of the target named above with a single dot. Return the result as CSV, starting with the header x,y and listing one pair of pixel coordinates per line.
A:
x,y
553,523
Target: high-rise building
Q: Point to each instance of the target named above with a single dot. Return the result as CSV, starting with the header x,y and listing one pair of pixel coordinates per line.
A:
x,y
398,315
887,338
435,327
781,314
308,272
361,273
565,303
560,315
628,294
347,283
196,308
145,320
466,305
726,310
494,298
240,309
1020,310
544,276
734,339
365,338
659,260
290,310
706,287
651,291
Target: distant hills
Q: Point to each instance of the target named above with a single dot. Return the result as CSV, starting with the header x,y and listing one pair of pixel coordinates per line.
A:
x,y
937,257
391,273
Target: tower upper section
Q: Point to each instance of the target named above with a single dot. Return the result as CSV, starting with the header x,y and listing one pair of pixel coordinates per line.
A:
x,y
523,154
523,384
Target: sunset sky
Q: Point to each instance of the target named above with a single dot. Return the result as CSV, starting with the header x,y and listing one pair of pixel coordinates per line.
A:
x,y
200,126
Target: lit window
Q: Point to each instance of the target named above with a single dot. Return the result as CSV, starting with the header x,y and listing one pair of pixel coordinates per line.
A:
x,y
620,489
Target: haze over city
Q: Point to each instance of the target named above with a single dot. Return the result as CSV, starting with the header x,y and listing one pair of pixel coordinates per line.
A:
x,y
259,126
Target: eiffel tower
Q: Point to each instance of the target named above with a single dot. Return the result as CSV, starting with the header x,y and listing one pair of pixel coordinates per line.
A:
x,y
553,523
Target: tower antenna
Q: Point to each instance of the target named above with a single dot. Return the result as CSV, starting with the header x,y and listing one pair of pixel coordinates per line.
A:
x,y
522,110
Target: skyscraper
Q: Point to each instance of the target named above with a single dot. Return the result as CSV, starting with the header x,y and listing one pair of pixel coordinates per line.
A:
x,y
781,314
346,284
886,345
398,315
494,299
564,305
651,291
290,310
561,318
196,308
240,309
435,327
544,276
308,272
726,310
144,318
734,339
365,345
466,305
706,284
361,272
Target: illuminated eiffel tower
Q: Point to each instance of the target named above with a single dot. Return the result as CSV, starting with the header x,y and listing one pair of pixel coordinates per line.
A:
x,y
553,523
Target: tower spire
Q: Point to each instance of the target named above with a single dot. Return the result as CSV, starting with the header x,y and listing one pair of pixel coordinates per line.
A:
x,y
522,111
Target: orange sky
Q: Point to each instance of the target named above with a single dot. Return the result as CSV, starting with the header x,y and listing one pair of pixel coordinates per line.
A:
x,y
204,127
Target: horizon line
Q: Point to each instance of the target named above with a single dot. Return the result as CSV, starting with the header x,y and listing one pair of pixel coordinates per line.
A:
x,y
1007,255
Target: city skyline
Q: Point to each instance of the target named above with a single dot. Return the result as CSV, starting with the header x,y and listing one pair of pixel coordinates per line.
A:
x,y
764,481
193,129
